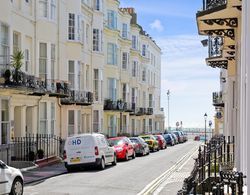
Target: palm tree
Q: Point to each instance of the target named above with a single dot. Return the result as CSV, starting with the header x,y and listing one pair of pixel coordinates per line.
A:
x,y
17,63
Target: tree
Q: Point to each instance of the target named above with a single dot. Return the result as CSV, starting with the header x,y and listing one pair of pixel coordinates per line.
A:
x,y
17,63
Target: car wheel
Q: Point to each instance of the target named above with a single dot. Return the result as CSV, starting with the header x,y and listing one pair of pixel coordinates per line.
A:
x,y
133,156
17,187
115,161
126,156
102,164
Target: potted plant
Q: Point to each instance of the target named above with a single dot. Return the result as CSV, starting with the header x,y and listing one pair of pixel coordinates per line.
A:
x,y
17,63
40,154
6,76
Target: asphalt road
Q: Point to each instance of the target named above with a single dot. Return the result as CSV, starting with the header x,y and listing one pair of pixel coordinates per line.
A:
x,y
128,178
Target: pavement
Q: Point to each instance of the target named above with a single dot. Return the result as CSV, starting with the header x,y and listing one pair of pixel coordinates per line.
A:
x,y
41,173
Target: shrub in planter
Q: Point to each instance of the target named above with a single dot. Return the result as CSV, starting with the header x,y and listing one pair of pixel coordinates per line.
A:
x,y
31,156
40,154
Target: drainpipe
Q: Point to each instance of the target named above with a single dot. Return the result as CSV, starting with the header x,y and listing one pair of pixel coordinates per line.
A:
x,y
60,106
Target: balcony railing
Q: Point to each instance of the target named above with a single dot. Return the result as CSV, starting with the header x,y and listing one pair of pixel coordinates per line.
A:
x,y
211,4
78,97
215,47
115,105
218,99
149,111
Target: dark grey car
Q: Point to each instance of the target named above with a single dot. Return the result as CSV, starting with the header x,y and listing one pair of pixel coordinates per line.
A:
x,y
141,147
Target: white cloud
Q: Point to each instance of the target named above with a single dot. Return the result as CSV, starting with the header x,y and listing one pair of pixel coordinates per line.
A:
x,y
156,25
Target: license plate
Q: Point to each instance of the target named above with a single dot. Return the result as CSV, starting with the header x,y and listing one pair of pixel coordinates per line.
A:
x,y
75,160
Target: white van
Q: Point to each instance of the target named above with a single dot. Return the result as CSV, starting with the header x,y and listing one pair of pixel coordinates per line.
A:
x,y
87,150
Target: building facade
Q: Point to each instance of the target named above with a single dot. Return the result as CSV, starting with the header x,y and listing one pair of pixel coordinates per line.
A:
x,y
226,22
88,66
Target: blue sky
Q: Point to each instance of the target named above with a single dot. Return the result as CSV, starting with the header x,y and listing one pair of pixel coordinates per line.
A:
x,y
184,71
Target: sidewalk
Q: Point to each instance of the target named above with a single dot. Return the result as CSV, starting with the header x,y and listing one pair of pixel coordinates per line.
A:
x,y
41,173
175,182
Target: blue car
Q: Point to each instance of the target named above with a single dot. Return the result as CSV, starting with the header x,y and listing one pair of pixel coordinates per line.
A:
x,y
169,139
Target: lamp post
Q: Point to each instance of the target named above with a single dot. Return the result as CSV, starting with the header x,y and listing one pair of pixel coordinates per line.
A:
x,y
205,117
168,94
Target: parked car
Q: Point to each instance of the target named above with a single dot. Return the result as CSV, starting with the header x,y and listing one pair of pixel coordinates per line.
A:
x,y
175,138
151,141
169,139
123,147
86,150
161,141
179,136
141,147
197,138
11,180
184,136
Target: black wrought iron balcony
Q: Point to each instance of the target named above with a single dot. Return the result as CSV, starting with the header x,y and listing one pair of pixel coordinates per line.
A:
x,y
215,47
141,111
118,105
56,88
211,4
218,99
78,98
150,111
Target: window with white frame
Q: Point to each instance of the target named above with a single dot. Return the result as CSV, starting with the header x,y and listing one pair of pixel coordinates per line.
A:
x,y
134,68
150,125
43,60
112,54
144,99
96,84
71,73
112,125
4,122
133,126
144,125
133,95
71,27
27,59
53,118
112,89
71,122
16,42
124,92
53,60
134,42
144,74
144,50
4,44
43,118
79,121
96,39
47,9
96,127
125,59
43,7
112,20
53,9
97,5
150,100
124,30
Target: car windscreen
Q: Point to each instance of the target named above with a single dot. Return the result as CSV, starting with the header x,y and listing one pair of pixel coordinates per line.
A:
x,y
146,138
116,142
134,140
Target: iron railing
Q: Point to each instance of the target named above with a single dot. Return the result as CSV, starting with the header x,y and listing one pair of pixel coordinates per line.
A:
x,y
31,148
218,98
212,169
211,4
215,47
78,97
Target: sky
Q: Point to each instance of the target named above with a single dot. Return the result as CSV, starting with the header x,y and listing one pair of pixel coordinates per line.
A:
x,y
172,24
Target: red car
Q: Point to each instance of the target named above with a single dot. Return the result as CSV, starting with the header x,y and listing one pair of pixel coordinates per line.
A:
x,y
161,141
123,146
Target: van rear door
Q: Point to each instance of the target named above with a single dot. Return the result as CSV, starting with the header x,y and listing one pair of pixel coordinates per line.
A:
x,y
80,149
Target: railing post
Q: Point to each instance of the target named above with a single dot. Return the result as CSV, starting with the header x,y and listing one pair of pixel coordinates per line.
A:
x,y
215,159
240,183
228,149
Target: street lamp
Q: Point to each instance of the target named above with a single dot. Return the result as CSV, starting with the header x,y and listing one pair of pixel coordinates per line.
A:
x,y
168,94
205,117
